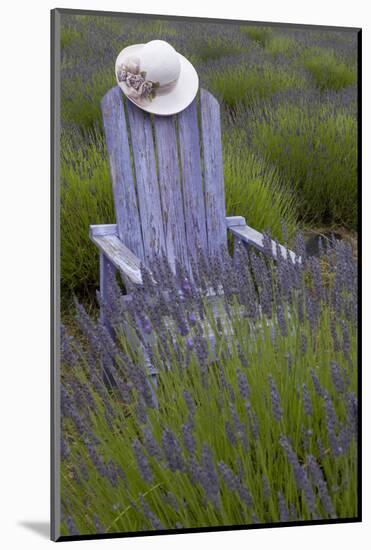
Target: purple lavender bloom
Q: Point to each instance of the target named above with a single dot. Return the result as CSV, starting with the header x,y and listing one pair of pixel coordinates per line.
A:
x,y
145,325
266,488
316,383
332,424
307,401
68,354
321,449
188,438
337,378
300,476
319,481
209,481
231,392
317,278
153,519
303,343
239,428
242,357
346,339
230,433
189,402
253,420
150,443
334,335
96,460
141,412
243,385
281,320
172,451
190,343
293,514
275,400
142,462
201,350
112,474
192,319
97,524
245,495
65,448
72,529
352,412
83,470
284,513
311,309
229,478
171,500
194,470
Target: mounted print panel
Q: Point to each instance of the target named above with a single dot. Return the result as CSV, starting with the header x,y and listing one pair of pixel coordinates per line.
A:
x,y
206,208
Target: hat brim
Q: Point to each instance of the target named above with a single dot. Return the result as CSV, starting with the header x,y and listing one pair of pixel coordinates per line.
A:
x,y
171,103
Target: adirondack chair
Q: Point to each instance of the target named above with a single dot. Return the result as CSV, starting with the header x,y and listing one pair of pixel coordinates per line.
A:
x,y
167,178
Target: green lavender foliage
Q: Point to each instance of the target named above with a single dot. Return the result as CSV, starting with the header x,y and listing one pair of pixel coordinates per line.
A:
x,y
327,70
86,198
259,426
313,146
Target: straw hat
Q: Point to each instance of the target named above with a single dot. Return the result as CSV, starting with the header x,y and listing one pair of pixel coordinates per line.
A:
x,y
156,77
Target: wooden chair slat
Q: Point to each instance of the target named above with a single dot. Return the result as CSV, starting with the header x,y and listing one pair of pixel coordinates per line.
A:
x,y
213,173
146,181
120,256
170,190
127,214
193,198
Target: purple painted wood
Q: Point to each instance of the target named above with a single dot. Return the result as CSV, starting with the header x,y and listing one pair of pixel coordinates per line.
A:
x,y
171,190
213,173
194,204
107,272
127,214
146,181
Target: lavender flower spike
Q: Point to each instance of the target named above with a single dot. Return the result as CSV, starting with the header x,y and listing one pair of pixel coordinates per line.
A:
x,y
300,476
319,481
142,462
275,399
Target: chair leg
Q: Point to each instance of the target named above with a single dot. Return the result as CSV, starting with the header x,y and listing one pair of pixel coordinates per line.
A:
x,y
107,280
107,277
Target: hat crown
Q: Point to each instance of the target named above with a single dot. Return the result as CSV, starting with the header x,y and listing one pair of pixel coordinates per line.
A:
x,y
160,61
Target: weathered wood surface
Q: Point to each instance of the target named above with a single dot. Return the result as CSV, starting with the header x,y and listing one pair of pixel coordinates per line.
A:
x,y
123,184
171,190
103,229
169,198
213,173
235,220
193,197
120,256
255,238
146,181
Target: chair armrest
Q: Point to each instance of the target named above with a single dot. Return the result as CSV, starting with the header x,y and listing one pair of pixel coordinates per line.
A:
x,y
105,237
239,228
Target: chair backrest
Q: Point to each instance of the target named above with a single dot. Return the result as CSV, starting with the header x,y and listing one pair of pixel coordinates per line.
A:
x,y
167,177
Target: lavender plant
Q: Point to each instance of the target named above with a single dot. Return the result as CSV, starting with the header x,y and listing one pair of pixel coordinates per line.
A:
x,y
243,425
297,161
